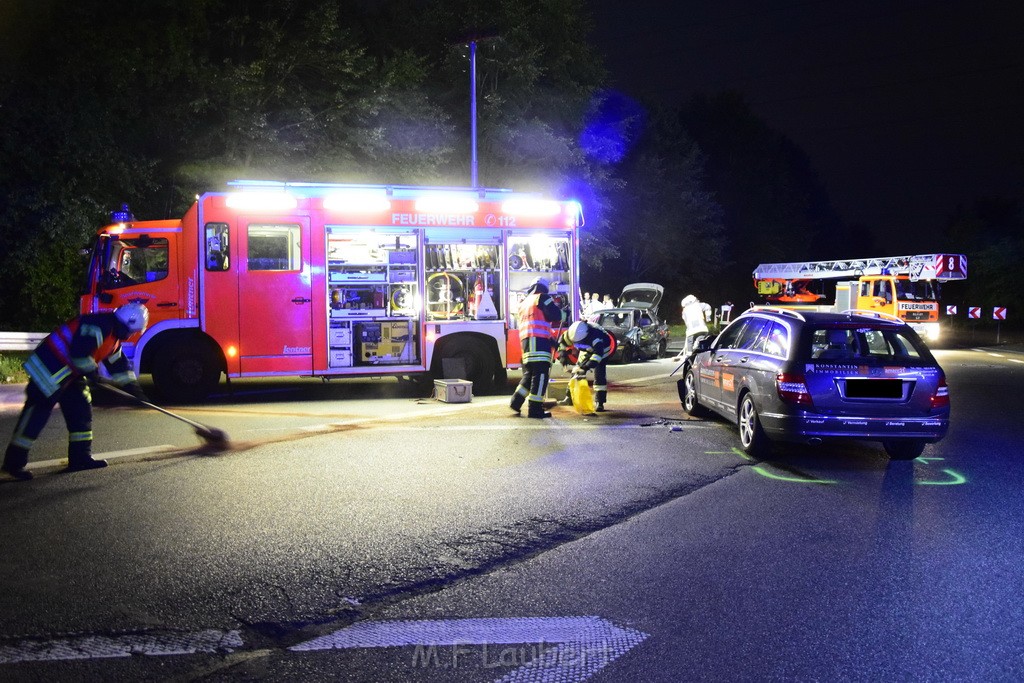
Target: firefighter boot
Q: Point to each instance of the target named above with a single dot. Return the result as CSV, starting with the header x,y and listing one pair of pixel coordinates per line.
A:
x,y
80,457
517,402
15,460
537,410
567,400
601,397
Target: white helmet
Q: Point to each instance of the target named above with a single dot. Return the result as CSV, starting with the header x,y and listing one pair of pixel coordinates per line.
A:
x,y
134,316
540,284
689,299
578,331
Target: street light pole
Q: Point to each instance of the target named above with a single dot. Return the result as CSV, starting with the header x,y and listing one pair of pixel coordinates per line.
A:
x,y
472,114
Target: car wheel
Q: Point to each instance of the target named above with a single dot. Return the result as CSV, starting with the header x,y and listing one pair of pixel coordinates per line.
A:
x,y
903,449
627,353
752,437
691,405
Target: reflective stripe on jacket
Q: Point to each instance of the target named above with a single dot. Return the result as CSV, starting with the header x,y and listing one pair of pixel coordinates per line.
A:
x,y
537,315
77,348
596,347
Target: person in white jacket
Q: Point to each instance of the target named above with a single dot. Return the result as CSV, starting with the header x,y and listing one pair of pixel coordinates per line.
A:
x,y
696,315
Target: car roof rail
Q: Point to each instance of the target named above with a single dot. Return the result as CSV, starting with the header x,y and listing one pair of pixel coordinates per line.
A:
x,y
873,314
777,309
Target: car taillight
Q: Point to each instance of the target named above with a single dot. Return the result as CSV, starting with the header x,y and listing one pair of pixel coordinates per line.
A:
x,y
940,399
793,388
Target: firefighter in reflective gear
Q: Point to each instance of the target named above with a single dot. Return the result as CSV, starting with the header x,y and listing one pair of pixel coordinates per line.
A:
x,y
58,371
696,315
538,315
594,347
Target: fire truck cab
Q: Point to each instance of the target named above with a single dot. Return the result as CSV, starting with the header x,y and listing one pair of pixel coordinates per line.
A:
x,y
330,280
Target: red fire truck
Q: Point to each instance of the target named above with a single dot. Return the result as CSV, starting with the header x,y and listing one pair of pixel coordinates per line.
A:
x,y
331,280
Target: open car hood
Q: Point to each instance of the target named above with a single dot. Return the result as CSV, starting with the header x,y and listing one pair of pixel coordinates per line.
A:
x,y
641,295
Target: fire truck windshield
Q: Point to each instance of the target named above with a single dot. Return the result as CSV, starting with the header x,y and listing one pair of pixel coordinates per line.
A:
x,y
921,290
129,261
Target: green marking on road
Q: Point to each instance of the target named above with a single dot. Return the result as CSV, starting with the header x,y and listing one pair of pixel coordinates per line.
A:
x,y
801,479
955,479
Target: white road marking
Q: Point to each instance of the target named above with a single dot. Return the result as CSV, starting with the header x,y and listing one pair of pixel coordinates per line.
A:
x,y
544,425
112,455
1015,360
585,645
101,647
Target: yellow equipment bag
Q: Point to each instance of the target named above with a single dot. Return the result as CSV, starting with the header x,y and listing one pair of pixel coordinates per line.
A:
x,y
582,396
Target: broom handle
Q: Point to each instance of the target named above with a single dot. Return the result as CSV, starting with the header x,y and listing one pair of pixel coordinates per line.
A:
x,y
122,392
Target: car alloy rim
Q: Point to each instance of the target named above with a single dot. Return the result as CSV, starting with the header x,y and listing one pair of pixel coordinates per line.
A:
x,y
691,392
746,422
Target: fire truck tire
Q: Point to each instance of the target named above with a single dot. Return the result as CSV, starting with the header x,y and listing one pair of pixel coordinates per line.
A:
x,y
480,363
186,374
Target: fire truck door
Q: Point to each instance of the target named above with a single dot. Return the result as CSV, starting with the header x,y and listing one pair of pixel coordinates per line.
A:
x,y
274,296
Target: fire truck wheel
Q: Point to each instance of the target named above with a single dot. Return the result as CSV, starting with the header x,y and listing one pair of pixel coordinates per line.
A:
x,y
479,362
186,374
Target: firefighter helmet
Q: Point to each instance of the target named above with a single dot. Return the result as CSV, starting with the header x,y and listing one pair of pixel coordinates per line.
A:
x,y
578,331
540,284
134,316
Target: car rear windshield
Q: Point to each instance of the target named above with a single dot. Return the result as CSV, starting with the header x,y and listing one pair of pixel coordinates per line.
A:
x,y
849,343
615,319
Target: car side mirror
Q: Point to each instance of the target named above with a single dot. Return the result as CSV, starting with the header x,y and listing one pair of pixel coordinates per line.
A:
x,y
704,344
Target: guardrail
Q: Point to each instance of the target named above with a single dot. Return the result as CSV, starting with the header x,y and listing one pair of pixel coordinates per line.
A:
x,y
20,341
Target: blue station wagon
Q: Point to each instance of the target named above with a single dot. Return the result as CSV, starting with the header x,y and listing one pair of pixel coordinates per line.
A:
x,y
784,375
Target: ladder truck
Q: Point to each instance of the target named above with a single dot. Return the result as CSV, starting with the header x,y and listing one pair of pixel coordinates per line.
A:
x,y
906,287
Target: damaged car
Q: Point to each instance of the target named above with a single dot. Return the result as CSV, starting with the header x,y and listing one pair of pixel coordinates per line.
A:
x,y
640,334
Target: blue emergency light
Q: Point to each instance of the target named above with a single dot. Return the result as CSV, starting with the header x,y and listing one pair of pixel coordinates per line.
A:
x,y
122,216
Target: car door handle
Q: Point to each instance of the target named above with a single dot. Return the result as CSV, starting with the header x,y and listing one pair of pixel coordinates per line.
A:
x,y
166,304
744,359
300,300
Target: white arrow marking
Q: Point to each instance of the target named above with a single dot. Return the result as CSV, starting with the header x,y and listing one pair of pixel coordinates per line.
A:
x,y
96,647
585,645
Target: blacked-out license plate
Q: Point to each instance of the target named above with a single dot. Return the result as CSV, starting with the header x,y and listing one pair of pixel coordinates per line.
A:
x,y
874,388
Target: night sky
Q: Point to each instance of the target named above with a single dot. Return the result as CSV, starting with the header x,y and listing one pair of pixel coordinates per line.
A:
x,y
905,108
